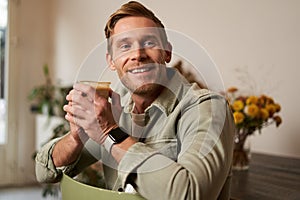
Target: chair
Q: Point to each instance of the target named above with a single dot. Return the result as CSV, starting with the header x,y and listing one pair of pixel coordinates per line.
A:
x,y
74,190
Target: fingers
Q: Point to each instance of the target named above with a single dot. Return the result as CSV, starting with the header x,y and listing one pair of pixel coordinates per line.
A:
x,y
115,98
84,90
78,133
76,111
79,92
80,116
116,106
77,96
83,94
79,123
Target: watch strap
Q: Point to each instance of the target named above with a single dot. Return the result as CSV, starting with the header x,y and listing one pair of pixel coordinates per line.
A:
x,y
115,136
108,143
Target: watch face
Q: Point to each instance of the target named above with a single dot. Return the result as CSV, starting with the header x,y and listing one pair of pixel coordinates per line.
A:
x,y
117,135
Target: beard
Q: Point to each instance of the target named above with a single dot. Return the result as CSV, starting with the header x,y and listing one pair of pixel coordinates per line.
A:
x,y
146,84
147,89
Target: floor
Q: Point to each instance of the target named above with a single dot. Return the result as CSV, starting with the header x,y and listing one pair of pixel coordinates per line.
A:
x,y
32,193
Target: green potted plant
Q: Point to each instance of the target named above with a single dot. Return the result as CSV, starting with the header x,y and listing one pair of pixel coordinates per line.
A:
x,y
43,96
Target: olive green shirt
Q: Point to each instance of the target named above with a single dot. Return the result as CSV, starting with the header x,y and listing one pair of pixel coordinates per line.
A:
x,y
184,147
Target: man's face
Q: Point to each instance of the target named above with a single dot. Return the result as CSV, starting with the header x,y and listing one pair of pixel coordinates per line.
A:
x,y
137,54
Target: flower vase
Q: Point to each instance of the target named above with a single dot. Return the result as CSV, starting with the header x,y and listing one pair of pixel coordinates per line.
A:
x,y
241,152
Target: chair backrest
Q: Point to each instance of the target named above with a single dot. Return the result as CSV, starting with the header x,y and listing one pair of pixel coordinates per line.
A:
x,y
74,190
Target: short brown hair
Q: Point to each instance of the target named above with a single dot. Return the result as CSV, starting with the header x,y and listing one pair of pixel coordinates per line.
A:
x,y
136,9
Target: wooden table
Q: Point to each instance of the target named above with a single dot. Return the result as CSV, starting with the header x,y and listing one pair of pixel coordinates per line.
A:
x,y
268,177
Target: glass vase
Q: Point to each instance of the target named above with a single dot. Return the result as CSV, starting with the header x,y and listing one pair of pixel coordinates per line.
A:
x,y
241,153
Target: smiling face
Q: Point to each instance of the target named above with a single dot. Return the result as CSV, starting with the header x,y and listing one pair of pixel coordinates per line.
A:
x,y
138,54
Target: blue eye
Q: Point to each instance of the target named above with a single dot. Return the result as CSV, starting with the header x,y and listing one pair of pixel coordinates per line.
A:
x,y
149,44
125,47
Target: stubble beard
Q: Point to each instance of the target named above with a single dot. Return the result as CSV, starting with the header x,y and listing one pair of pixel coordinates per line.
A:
x,y
148,86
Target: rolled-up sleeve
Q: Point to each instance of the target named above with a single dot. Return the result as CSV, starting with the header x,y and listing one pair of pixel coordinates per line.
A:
x,y
45,169
47,172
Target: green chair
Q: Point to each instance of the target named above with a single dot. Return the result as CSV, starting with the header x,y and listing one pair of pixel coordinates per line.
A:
x,y
74,190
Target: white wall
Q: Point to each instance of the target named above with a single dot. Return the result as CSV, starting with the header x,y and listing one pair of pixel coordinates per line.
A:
x,y
260,35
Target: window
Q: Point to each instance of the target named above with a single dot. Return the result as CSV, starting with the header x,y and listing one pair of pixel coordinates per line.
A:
x,y
3,28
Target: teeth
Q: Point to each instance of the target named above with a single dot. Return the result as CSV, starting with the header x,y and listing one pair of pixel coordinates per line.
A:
x,y
141,70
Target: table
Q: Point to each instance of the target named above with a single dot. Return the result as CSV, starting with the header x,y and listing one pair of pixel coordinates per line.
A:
x,y
268,177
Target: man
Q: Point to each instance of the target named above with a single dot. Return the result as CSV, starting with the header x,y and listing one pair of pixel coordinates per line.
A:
x,y
164,137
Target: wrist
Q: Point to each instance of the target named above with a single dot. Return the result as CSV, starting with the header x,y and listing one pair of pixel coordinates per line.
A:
x,y
78,134
119,150
114,136
108,130
79,137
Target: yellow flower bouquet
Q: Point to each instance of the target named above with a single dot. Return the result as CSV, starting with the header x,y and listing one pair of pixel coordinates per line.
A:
x,y
250,113
253,112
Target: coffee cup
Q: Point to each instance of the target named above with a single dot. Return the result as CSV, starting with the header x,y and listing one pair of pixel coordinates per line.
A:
x,y
102,88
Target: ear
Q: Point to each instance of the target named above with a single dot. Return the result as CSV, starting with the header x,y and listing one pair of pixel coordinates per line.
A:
x,y
168,52
110,62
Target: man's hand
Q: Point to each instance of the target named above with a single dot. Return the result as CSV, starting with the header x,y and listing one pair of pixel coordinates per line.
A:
x,y
92,112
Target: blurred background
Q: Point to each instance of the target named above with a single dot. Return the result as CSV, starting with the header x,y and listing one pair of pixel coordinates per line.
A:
x,y
255,44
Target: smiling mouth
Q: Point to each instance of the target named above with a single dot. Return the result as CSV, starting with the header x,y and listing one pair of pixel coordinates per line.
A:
x,y
140,70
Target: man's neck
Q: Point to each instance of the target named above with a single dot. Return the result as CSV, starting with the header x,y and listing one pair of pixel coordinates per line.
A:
x,y
143,101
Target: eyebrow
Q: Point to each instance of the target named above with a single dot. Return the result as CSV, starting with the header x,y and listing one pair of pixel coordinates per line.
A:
x,y
126,39
122,40
152,37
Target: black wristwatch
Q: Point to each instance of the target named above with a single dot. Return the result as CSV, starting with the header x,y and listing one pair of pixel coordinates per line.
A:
x,y
115,136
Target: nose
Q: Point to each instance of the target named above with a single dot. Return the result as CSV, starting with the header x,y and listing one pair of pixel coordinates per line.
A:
x,y
138,54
